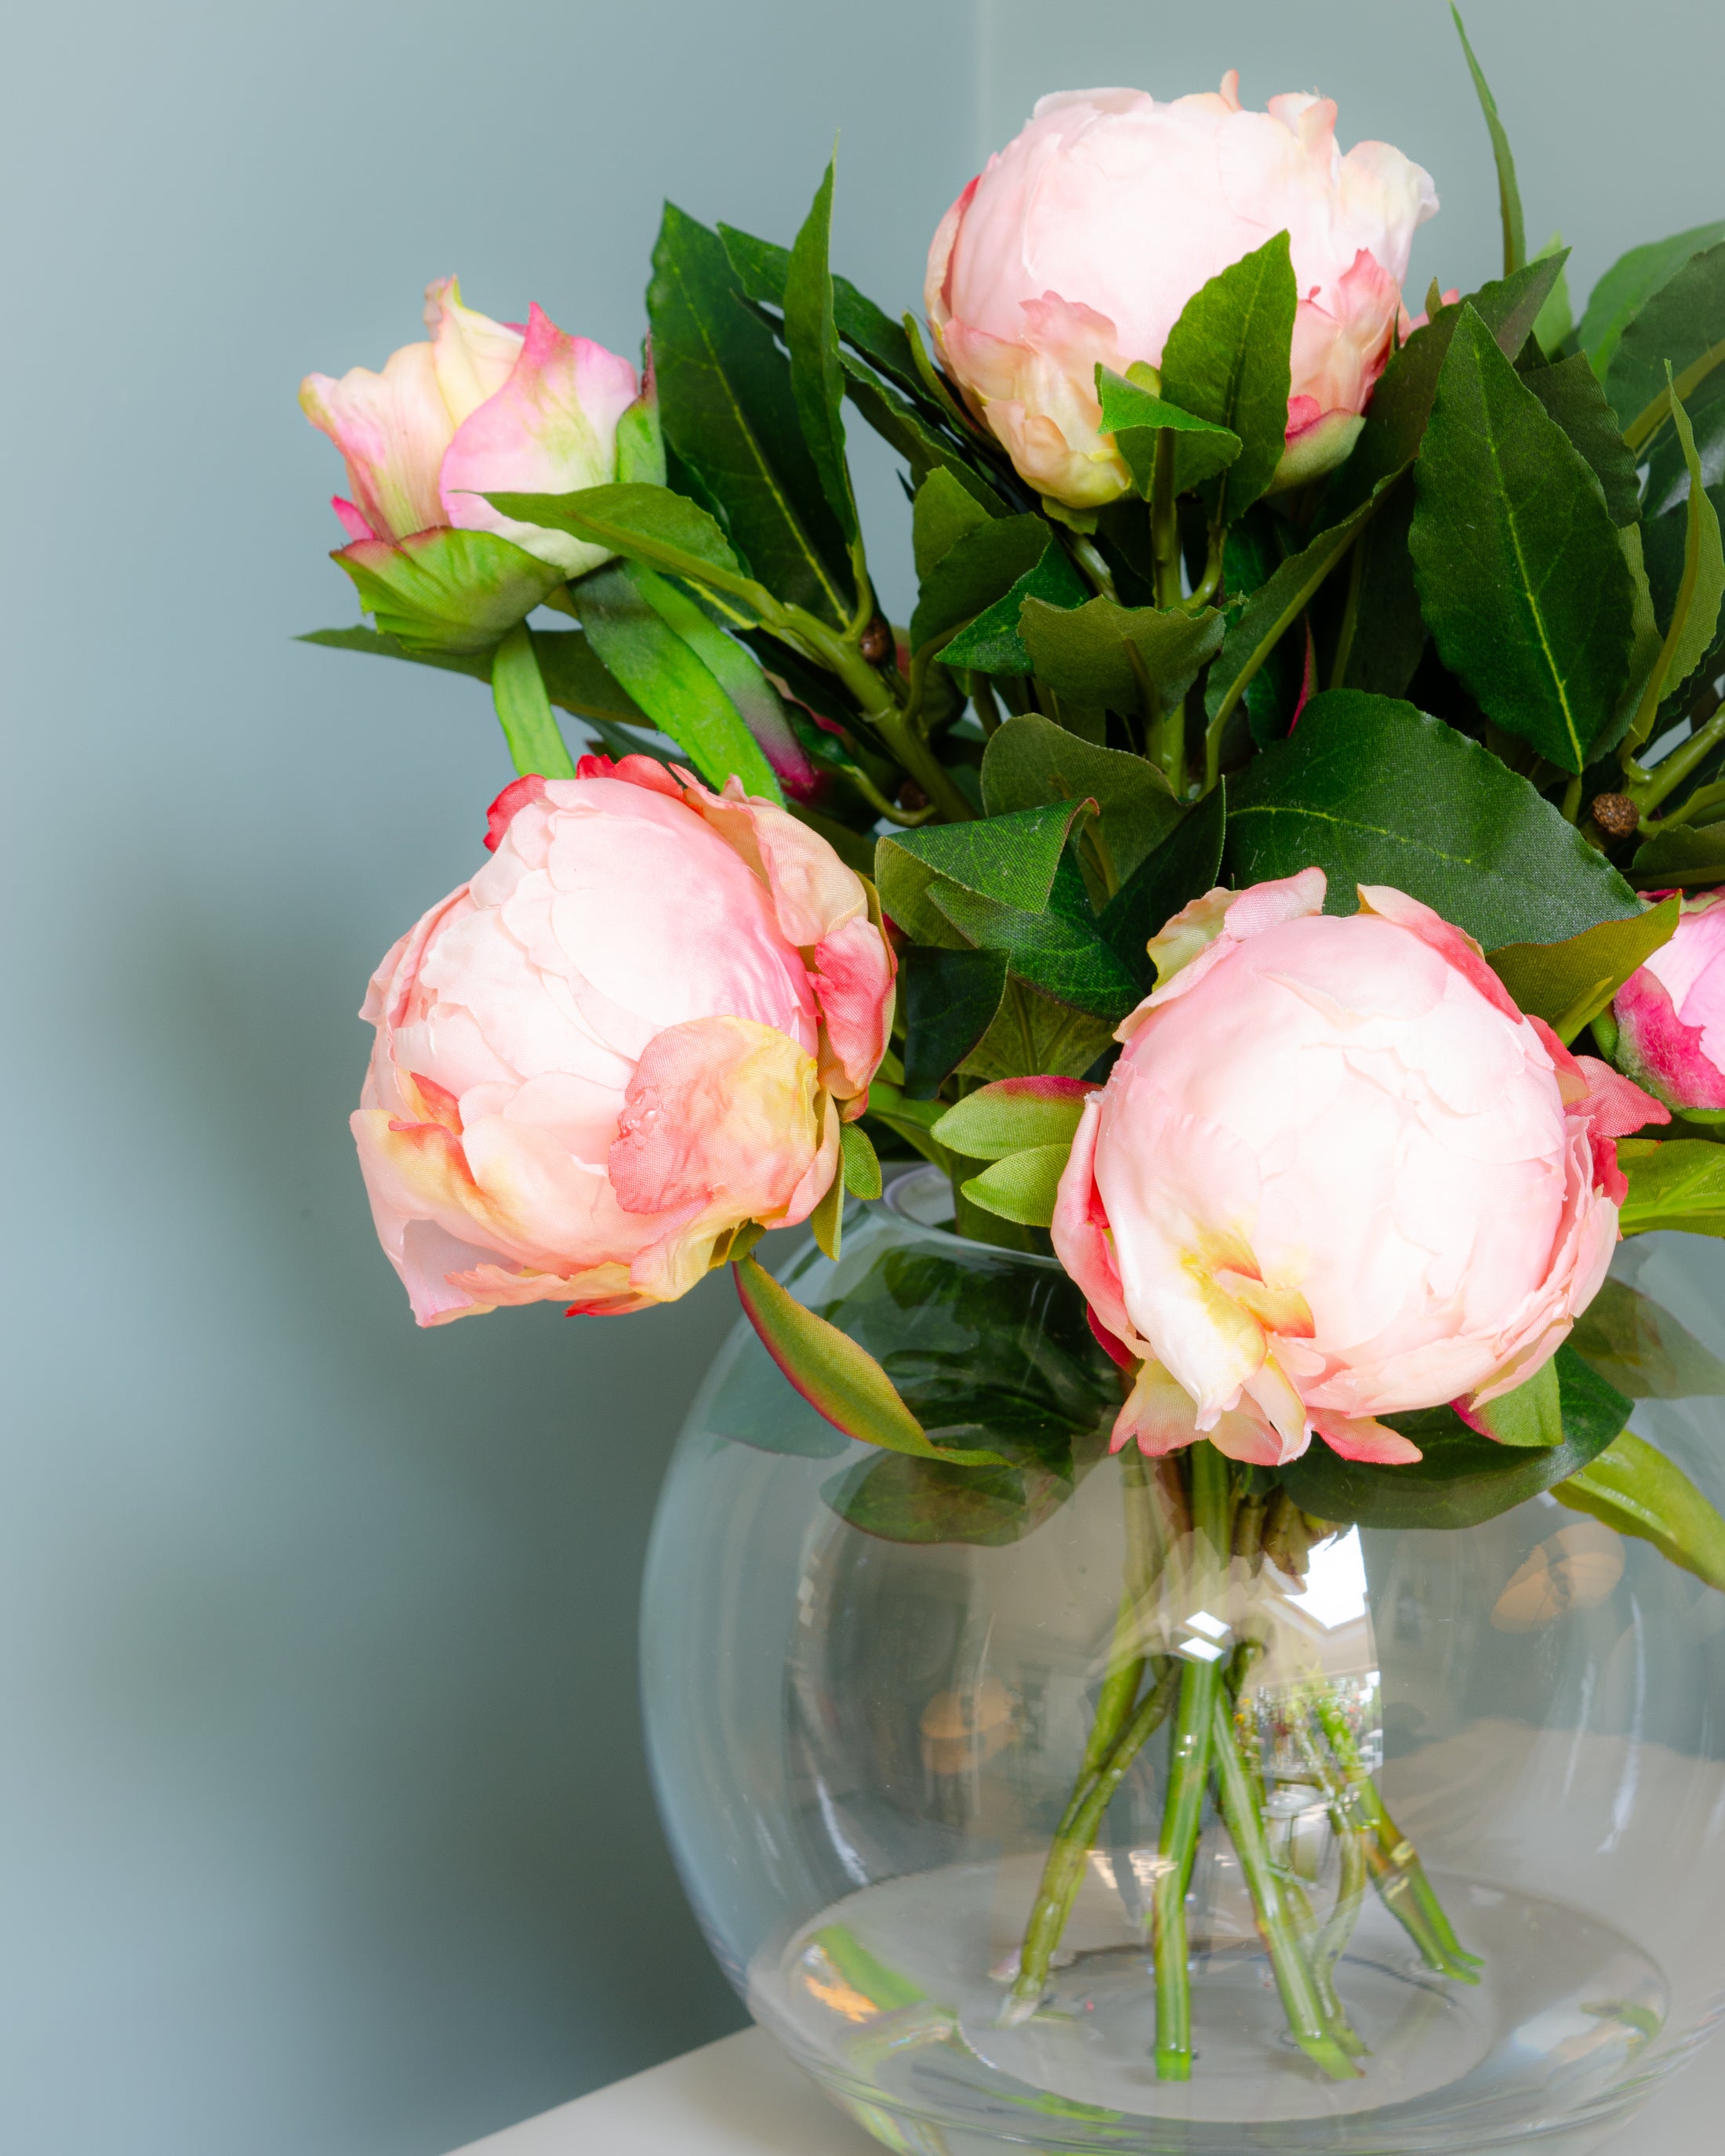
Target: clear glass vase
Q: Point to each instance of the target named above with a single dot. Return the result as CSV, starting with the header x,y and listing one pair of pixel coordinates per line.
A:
x,y
1084,1805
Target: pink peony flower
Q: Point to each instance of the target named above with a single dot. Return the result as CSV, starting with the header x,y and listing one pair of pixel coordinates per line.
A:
x,y
1335,1174
633,1031
1084,238
485,408
1670,1012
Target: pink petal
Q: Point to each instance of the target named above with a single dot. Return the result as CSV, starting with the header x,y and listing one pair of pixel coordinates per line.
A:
x,y
392,429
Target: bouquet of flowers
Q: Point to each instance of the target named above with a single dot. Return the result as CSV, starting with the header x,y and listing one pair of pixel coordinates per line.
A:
x,y
1275,869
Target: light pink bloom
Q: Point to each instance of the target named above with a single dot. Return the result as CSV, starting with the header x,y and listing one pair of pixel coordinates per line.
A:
x,y
1335,1174
1671,1014
635,1029
1084,238
485,408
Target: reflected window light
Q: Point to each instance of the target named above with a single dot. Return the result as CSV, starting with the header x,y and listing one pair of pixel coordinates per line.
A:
x,y
1212,1628
1336,1581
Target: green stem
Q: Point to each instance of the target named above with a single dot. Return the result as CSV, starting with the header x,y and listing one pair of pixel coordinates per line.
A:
x,y
1085,553
1187,1776
1300,1998
1164,523
1670,773
1393,1859
1572,799
1350,615
982,696
524,710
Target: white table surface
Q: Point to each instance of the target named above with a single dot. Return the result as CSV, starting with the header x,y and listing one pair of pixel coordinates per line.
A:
x,y
741,2096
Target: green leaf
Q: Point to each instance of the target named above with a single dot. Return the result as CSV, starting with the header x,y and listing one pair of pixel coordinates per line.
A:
x,y
1556,320
1023,1186
975,570
1389,629
1643,1350
447,591
951,998
1695,611
1463,1478
1521,579
1692,853
992,642
669,681
1682,325
648,521
1637,1490
1012,860
836,1376
1529,1414
944,512
739,674
1125,658
730,412
640,436
1033,1033
1570,983
1057,948
1135,415
574,678
1271,612
763,273
1673,1182
917,1501
1571,395
1401,403
915,437
524,710
1030,762
1184,866
817,376
1373,791
1015,1115
1630,283
861,1169
1226,359
1509,195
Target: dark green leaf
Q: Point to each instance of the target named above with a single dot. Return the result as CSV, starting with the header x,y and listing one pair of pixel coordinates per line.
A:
x,y
763,271
1555,322
1184,866
1031,763
447,591
631,518
1691,854
669,680
1033,1033
1401,403
1521,579
1676,1182
1643,1350
812,334
573,677
975,570
1571,394
916,437
992,642
1135,415
1637,1490
1103,654
1509,195
1373,791
1694,622
1271,612
842,1380
1683,324
1012,860
1226,359
951,998
1568,984
1057,949
944,512
1630,283
1463,1478
730,412
1389,629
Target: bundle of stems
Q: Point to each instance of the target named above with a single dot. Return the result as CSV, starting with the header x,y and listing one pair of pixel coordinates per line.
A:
x,y
1189,1520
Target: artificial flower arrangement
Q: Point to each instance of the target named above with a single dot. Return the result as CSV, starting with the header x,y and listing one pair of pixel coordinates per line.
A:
x,y
1275,870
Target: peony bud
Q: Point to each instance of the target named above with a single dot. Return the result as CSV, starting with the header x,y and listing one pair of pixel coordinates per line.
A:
x,y
1084,238
484,408
1335,1174
1670,1012
635,1030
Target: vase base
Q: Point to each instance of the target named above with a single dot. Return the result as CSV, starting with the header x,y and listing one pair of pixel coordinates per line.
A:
x,y
893,1998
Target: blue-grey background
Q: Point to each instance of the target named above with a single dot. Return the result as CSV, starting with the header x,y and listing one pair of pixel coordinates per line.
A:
x,y
323,1825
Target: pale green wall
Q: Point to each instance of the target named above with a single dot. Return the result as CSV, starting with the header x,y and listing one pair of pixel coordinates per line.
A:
x,y
323,1825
